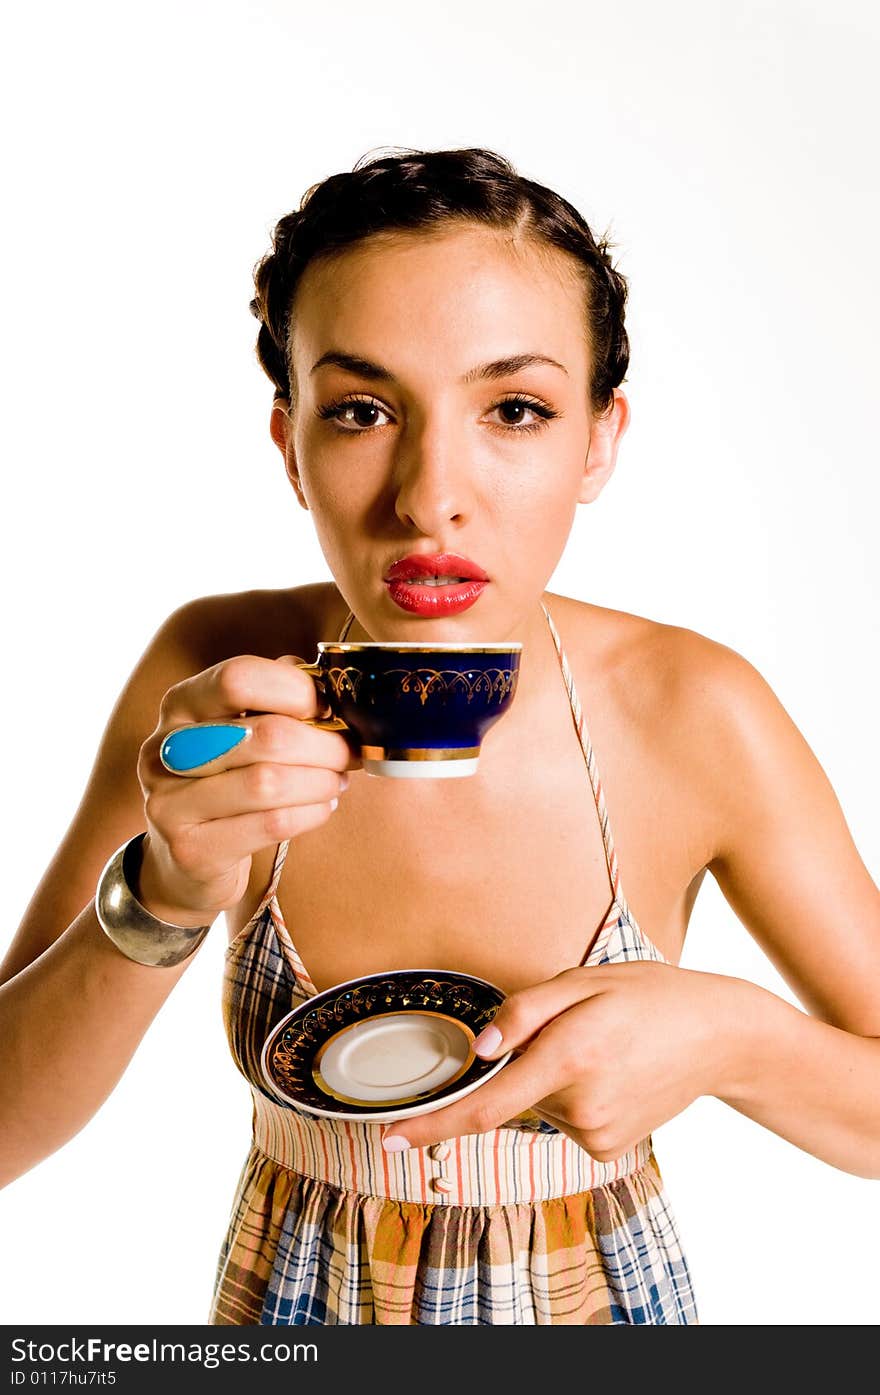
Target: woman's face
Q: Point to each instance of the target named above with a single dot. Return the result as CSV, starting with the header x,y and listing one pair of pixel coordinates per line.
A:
x,y
442,407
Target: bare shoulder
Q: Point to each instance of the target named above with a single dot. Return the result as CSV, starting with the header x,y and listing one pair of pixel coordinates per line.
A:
x,y
656,668
702,710
267,623
203,632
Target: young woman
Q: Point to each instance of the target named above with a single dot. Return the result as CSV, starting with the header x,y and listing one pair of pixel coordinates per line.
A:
x,y
446,342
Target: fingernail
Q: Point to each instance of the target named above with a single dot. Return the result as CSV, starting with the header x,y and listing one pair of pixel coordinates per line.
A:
x,y
334,803
343,782
488,1041
393,1143
194,746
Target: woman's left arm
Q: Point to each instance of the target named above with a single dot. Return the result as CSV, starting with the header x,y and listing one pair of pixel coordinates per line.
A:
x,y
789,867
610,1053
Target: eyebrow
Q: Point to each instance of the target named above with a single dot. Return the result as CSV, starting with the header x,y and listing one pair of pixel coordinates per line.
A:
x,y
498,368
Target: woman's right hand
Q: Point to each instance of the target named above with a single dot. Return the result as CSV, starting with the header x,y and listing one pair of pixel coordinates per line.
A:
x,y
281,780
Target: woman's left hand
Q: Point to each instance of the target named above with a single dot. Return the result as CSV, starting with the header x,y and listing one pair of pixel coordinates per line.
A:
x,y
606,1054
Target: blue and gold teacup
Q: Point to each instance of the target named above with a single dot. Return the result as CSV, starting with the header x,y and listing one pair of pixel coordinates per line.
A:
x,y
418,710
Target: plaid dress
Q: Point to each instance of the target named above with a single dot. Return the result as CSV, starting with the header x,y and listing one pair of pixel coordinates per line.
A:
x,y
515,1226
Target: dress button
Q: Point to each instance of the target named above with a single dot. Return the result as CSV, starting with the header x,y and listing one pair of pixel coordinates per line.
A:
x,y
441,1184
440,1152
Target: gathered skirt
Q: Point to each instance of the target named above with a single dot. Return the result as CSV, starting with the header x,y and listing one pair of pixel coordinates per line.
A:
x,y
302,1252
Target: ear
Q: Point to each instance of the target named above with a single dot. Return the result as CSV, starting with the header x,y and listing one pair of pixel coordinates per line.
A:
x,y
606,433
281,431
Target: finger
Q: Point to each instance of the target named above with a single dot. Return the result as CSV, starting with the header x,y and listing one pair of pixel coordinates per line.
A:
x,y
246,790
208,849
561,1123
325,711
538,1073
243,684
205,748
523,1014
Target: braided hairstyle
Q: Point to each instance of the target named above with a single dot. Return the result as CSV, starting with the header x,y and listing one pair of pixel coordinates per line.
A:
x,y
425,189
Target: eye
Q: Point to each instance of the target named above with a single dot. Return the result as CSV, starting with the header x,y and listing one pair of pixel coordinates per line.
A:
x,y
354,415
521,413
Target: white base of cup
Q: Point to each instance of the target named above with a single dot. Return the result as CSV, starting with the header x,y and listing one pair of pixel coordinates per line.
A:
x,y
422,769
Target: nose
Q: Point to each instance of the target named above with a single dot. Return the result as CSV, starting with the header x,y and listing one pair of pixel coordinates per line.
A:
x,y
433,480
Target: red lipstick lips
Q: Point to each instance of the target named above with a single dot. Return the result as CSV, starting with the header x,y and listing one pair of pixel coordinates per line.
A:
x,y
435,584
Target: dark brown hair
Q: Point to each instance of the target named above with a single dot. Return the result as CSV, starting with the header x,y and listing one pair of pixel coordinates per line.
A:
x,y
423,189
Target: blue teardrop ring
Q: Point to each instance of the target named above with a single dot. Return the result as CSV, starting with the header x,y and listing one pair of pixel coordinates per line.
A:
x,y
187,750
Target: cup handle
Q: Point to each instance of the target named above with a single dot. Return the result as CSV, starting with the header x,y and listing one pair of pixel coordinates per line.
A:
x,y
330,723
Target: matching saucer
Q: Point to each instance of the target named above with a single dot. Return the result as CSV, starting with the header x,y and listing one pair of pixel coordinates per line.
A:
x,y
383,1047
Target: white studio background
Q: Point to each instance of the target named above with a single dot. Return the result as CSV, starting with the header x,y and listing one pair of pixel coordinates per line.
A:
x,y
729,148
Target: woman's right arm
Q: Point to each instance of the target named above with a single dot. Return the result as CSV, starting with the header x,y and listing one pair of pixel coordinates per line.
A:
x,y
73,1008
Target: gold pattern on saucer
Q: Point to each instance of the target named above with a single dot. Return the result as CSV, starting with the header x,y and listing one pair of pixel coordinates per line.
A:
x,y
288,1057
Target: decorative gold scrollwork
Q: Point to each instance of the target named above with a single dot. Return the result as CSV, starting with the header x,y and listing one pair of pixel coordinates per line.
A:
x,y
495,684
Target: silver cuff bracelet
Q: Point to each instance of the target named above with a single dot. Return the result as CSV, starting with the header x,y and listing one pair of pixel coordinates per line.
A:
x,y
137,934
